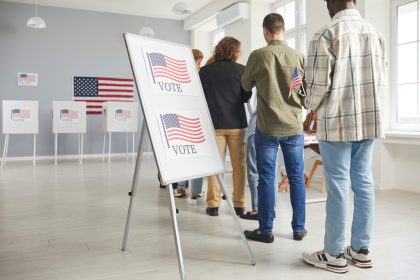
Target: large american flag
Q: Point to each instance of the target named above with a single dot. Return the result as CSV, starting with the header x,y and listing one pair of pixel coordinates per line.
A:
x,y
96,90
181,128
296,81
166,67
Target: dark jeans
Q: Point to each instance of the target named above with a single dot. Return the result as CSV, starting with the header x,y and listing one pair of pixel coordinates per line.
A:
x,y
266,149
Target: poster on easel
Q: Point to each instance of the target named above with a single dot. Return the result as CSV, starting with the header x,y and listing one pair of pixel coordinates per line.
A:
x,y
120,116
69,117
20,117
175,109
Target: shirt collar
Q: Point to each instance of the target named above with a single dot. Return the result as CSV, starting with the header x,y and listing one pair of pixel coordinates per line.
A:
x,y
277,42
346,12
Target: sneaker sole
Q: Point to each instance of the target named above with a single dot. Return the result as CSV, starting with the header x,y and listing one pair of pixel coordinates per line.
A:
x,y
329,267
358,263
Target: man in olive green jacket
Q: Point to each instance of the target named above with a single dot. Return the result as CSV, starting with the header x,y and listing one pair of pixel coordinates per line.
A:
x,y
276,72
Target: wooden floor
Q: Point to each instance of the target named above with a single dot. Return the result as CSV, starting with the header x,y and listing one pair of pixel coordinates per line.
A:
x,y
67,222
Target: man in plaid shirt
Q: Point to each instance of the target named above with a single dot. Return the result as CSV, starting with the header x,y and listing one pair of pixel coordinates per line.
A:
x,y
346,76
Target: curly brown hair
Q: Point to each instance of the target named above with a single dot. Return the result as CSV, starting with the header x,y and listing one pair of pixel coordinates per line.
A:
x,y
227,49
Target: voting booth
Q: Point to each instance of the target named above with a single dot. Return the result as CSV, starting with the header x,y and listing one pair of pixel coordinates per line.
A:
x,y
19,117
119,117
69,118
178,123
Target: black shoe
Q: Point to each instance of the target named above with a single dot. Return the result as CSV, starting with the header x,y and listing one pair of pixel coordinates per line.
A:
x,y
299,235
239,211
212,211
250,216
259,236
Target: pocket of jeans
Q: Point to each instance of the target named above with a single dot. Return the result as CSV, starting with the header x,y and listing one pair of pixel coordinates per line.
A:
x,y
295,140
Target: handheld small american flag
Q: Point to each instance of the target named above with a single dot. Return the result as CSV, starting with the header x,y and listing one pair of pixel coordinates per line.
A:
x,y
163,66
296,82
96,90
181,128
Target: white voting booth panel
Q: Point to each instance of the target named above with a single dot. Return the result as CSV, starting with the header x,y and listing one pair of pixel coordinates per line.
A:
x,y
69,117
19,117
178,122
119,117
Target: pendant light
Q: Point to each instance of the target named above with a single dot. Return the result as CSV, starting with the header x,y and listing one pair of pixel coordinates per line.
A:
x,y
36,22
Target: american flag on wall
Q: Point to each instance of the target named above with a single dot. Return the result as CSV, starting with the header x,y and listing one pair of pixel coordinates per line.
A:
x,y
96,90
181,128
163,66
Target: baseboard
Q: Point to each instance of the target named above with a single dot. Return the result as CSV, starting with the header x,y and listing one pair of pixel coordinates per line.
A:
x,y
146,155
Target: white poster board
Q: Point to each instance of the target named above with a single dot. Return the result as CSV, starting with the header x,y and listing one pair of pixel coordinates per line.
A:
x,y
175,109
69,117
20,117
120,116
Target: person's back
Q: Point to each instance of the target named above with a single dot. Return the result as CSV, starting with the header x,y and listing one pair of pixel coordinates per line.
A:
x,y
349,110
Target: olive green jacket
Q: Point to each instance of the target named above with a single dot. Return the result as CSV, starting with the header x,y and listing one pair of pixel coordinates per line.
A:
x,y
270,70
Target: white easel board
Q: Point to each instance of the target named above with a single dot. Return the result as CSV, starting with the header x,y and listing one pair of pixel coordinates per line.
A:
x,y
69,117
20,117
120,116
175,109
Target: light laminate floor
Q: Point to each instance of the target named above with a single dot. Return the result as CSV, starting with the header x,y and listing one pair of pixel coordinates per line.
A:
x,y
67,222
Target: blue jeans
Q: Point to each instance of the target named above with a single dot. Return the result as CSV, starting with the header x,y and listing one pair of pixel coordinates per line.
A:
x,y
197,185
252,172
346,162
267,149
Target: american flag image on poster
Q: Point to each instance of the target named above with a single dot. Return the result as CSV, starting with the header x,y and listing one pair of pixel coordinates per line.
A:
x,y
122,114
168,68
96,90
20,115
181,128
69,115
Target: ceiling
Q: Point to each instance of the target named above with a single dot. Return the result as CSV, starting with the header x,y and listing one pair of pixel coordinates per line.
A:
x,y
150,8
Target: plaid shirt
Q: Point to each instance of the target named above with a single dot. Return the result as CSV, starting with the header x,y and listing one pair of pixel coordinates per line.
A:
x,y
346,76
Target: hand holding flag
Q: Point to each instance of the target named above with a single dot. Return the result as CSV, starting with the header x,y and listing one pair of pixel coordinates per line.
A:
x,y
295,83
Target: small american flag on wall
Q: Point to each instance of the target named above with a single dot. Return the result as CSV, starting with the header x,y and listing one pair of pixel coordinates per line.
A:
x,y
166,67
181,128
96,90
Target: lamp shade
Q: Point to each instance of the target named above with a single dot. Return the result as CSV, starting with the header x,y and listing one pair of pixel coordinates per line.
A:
x,y
181,8
36,22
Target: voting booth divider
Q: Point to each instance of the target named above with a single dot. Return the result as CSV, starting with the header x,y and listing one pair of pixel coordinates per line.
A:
x,y
69,117
19,117
178,123
119,117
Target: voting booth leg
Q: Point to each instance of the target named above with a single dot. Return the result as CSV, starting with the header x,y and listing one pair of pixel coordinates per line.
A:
x,y
109,147
133,146
5,147
126,145
81,148
172,211
134,185
34,160
103,147
55,148
238,224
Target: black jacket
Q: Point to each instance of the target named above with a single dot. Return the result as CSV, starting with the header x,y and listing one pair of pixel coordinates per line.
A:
x,y
225,96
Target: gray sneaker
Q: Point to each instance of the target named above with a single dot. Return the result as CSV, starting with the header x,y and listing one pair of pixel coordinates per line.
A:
x,y
324,260
359,258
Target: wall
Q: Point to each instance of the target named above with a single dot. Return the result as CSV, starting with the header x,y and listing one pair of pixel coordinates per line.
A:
x,y
75,42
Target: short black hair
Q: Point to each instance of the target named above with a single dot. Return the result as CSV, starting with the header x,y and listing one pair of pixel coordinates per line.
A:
x,y
274,23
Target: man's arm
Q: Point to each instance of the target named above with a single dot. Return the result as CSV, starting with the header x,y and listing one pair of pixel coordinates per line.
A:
x,y
247,79
319,72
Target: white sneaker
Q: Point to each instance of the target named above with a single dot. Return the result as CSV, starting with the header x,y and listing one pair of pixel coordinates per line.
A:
x,y
324,260
360,258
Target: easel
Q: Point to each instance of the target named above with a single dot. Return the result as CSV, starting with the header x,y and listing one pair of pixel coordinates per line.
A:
x,y
80,147
6,148
172,210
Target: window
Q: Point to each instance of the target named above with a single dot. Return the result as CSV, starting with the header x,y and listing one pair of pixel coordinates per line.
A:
x,y
294,14
217,35
405,66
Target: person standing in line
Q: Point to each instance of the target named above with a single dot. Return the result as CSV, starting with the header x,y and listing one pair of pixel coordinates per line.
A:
x,y
346,75
225,97
279,123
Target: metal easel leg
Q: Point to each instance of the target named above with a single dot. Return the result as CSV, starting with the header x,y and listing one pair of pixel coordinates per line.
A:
x,y
132,194
172,211
238,224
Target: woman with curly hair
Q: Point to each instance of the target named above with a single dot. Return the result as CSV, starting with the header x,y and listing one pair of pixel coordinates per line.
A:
x,y
225,97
